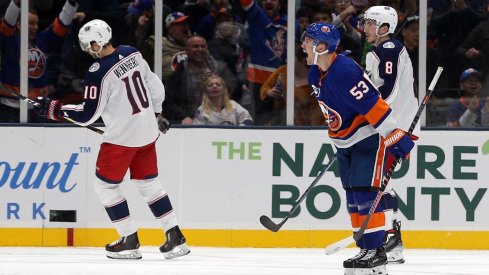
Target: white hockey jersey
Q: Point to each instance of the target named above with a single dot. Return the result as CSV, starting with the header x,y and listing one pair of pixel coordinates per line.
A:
x,y
389,68
122,89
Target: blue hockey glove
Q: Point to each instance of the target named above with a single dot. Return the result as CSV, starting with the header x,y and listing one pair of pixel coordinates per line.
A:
x,y
399,144
48,108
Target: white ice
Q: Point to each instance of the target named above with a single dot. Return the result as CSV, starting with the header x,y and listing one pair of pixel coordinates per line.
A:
x,y
229,261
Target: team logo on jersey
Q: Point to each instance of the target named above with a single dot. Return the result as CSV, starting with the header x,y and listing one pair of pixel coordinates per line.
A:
x,y
332,117
177,59
95,66
389,45
36,63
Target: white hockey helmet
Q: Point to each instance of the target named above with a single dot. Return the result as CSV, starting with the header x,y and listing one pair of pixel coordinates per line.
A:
x,y
381,15
94,31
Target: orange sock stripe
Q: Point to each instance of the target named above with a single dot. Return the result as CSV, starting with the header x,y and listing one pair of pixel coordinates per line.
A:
x,y
377,220
355,219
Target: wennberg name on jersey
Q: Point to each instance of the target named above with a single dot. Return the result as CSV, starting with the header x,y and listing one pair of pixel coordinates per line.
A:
x,y
126,66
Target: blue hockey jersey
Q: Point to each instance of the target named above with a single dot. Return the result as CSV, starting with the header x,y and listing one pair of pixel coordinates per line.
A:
x,y
350,102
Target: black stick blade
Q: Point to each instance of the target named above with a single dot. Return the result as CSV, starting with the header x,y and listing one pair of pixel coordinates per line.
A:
x,y
269,224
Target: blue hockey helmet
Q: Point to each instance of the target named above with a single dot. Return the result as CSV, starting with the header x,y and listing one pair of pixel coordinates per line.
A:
x,y
323,33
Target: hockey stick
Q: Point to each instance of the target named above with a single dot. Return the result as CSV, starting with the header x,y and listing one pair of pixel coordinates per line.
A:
x,y
270,225
388,175
36,104
339,245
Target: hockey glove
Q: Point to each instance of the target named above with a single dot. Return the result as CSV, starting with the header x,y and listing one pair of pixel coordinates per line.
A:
x,y
399,144
163,124
48,108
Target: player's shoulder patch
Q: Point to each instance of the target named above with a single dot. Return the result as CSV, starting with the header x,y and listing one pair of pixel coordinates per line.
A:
x,y
389,45
95,66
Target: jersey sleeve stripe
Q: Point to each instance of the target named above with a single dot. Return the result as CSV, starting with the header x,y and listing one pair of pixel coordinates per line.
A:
x,y
58,27
378,112
6,29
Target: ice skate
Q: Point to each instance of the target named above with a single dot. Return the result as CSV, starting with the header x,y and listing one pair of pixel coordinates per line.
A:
x,y
393,244
367,262
124,248
175,244
349,263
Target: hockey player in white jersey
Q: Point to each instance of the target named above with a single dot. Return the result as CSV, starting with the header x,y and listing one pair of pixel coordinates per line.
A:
x,y
389,67
120,87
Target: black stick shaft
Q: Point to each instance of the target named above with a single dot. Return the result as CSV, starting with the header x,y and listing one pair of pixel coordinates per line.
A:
x,y
267,222
32,102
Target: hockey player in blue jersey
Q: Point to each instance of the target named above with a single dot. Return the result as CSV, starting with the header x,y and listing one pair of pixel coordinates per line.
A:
x,y
120,87
362,127
389,67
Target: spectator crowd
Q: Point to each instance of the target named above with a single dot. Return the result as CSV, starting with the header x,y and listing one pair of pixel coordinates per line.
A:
x,y
224,61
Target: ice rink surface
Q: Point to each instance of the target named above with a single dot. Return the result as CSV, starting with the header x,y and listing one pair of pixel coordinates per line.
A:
x,y
229,261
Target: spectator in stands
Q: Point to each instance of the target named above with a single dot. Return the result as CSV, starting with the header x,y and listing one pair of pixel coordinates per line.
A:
x,y
304,16
207,24
140,21
322,14
184,87
410,38
273,94
40,43
217,108
450,29
196,10
346,20
267,30
475,49
230,45
173,44
470,110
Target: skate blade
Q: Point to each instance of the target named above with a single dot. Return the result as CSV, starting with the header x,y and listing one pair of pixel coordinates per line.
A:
x,y
176,252
395,257
125,255
378,270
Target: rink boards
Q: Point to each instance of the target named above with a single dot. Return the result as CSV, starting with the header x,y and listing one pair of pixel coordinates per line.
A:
x,y
220,181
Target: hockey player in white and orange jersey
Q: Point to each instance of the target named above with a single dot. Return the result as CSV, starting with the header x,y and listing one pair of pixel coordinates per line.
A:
x,y
390,70
361,126
120,88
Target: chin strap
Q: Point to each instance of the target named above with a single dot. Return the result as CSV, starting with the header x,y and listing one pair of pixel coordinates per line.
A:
x,y
317,54
379,36
95,54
